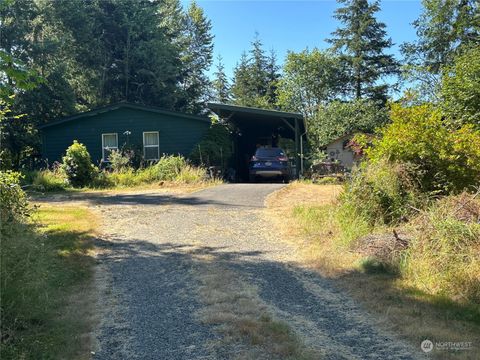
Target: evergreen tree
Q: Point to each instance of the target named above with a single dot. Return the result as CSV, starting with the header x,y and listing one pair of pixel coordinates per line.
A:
x,y
221,87
361,43
197,58
255,78
241,82
273,78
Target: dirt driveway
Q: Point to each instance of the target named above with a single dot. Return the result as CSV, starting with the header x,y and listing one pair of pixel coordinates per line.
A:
x,y
177,273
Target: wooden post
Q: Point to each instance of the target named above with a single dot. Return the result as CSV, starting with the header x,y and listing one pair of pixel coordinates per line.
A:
x,y
297,149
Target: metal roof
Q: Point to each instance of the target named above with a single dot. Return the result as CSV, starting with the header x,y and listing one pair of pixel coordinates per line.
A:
x,y
244,110
249,117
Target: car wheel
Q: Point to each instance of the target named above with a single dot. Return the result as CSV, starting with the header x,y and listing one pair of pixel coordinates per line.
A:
x,y
286,179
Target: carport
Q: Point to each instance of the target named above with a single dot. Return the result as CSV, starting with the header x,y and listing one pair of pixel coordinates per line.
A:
x,y
254,127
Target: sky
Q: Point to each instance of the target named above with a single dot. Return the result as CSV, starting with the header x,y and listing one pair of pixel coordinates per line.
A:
x,y
285,25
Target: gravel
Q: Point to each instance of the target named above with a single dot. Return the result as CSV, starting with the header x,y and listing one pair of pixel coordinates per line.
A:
x,y
147,283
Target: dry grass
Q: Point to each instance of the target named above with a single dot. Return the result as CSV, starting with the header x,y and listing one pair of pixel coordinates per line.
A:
x,y
248,329
413,314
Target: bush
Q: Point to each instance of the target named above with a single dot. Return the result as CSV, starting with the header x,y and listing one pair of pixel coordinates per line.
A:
x,y
50,180
13,201
443,258
191,175
77,165
445,160
169,167
215,149
120,160
382,193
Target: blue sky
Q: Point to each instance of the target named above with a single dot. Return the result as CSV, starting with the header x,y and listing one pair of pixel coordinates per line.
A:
x,y
291,25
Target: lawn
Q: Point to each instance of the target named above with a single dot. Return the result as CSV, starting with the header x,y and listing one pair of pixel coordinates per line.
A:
x,y
47,292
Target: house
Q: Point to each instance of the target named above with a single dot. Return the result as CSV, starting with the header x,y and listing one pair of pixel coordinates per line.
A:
x,y
151,130
340,151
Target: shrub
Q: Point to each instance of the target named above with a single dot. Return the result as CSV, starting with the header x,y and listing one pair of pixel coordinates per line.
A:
x,y
215,149
443,258
445,160
77,165
50,180
120,160
191,175
168,167
13,201
381,193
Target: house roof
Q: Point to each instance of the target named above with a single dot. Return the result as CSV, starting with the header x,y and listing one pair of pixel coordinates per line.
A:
x,y
121,105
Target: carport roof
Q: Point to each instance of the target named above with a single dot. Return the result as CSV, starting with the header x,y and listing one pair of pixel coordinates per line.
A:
x,y
243,116
222,109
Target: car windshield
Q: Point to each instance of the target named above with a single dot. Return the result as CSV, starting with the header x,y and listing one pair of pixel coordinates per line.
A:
x,y
273,152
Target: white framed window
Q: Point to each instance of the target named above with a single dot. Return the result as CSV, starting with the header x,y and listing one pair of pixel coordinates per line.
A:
x,y
109,143
151,149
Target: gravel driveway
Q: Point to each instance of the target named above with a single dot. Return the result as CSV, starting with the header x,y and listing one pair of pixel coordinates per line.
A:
x,y
147,276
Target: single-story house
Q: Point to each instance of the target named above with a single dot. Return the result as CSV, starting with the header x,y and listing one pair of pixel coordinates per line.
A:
x,y
339,151
153,130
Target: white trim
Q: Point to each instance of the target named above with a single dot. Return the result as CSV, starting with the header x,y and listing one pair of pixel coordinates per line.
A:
x,y
103,146
152,146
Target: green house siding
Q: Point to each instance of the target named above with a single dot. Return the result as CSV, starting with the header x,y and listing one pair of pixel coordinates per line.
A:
x,y
177,134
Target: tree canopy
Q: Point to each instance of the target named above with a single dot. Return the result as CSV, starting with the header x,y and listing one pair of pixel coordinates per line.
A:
x,y
361,44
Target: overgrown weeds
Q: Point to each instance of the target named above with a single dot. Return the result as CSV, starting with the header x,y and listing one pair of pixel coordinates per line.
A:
x,y
171,169
44,262
443,257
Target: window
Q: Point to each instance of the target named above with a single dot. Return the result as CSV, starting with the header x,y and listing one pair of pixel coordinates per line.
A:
x,y
150,145
109,143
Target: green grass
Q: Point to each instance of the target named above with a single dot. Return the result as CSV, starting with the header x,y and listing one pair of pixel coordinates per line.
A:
x,y
333,221
45,276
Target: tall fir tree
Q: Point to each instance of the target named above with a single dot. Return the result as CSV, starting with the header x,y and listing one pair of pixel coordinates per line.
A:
x,y
255,78
221,86
241,80
361,44
197,58
273,78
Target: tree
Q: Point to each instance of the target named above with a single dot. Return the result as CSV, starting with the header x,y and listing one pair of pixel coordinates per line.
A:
x,y
197,57
310,79
461,89
444,29
342,118
255,78
17,136
221,86
241,80
273,78
361,44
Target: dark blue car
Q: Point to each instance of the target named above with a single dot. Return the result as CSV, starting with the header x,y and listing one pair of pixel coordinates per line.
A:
x,y
271,163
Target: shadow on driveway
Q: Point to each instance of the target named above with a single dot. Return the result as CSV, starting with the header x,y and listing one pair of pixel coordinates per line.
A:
x,y
154,287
